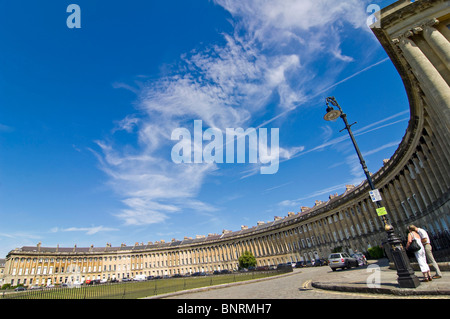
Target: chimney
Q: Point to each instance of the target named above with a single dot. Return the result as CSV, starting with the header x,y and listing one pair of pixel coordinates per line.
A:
x,y
243,227
333,196
349,187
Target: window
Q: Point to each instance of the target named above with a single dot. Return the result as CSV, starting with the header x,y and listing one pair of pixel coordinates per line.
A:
x,y
404,209
347,234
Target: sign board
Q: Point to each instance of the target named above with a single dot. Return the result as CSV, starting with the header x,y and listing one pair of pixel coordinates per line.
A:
x,y
381,211
375,195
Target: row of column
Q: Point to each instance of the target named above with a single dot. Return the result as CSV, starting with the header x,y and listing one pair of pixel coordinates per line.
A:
x,y
430,79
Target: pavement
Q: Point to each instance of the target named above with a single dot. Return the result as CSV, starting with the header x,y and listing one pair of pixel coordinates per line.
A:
x,y
380,277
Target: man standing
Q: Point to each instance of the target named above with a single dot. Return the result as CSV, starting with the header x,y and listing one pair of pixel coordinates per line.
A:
x,y
428,250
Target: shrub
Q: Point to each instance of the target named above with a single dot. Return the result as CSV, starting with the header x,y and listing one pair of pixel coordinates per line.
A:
x,y
337,249
375,252
247,260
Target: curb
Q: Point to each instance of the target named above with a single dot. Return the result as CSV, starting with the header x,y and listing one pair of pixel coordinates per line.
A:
x,y
381,290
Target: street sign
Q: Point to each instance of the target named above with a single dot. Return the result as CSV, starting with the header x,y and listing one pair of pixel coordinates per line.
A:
x,y
381,211
375,195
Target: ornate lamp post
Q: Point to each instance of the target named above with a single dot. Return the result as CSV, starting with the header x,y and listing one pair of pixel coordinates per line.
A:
x,y
406,277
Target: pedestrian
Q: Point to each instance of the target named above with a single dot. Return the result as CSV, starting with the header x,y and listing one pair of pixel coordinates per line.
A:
x,y
428,249
420,254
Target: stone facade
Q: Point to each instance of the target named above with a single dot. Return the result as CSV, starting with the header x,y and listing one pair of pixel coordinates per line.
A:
x,y
414,184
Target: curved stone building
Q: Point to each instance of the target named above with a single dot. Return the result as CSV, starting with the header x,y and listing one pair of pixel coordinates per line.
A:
x,y
414,184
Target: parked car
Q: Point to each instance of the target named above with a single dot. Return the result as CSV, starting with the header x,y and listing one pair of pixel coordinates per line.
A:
x,y
140,278
35,287
361,258
341,260
291,264
20,288
198,274
262,268
320,262
284,267
299,264
225,271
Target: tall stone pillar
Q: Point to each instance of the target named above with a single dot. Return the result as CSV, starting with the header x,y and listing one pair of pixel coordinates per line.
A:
x,y
430,79
438,43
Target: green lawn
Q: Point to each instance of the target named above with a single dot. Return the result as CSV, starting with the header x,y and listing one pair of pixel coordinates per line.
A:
x,y
134,290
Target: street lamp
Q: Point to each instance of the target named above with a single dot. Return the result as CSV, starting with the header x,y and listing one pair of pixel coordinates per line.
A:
x,y
406,277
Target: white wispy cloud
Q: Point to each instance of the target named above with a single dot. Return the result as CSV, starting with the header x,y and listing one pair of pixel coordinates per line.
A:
x,y
355,171
364,130
5,128
266,61
88,230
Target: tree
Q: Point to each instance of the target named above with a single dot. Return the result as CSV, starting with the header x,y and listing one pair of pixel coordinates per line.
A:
x,y
247,260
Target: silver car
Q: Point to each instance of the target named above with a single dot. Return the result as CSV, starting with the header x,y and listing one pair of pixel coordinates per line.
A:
x,y
341,260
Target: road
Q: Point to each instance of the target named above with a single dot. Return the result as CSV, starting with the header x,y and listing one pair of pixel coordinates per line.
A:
x,y
296,285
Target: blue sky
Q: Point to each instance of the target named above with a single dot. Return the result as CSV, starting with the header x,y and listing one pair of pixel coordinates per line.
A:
x,y
86,114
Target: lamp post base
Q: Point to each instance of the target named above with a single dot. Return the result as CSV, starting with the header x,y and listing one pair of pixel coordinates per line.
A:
x,y
406,277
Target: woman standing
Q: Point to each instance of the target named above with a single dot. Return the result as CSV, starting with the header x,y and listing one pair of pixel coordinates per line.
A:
x,y
420,254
